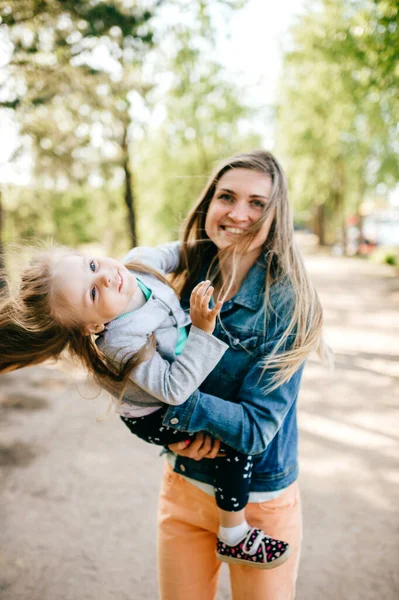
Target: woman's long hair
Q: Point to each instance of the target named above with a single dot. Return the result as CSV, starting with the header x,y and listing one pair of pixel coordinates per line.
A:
x,y
303,333
32,332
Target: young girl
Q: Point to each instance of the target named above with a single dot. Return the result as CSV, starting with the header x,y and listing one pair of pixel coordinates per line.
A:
x,y
65,299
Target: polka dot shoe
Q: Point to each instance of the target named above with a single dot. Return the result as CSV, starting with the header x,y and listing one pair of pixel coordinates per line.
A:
x,y
255,549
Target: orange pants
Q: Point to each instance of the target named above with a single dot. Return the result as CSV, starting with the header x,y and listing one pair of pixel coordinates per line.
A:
x,y
188,523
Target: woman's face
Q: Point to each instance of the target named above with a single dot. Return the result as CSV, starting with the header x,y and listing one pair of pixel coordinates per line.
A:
x,y
240,199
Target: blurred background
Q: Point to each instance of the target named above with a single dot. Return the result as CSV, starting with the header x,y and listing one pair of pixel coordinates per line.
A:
x,y
112,116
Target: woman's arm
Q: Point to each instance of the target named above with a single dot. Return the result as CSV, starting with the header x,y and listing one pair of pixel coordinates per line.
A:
x,y
248,425
163,258
250,422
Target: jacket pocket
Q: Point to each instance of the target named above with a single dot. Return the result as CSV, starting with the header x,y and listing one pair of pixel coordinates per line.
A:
x,y
237,360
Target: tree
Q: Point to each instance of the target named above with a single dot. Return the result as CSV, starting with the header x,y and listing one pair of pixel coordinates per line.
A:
x,y
339,109
78,113
13,157
204,121
55,73
2,260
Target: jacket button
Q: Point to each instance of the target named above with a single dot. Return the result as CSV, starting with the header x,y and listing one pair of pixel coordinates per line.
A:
x,y
182,468
174,421
235,342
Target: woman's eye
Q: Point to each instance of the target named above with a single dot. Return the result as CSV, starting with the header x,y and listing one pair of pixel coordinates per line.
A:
x,y
258,204
225,197
93,294
92,265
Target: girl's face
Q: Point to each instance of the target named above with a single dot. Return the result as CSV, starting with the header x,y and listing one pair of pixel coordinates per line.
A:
x,y
94,290
240,199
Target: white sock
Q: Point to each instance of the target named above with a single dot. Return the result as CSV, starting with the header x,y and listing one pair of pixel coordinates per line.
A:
x,y
232,535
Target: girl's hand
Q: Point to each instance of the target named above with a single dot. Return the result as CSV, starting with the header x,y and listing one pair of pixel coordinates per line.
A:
x,y
203,446
201,315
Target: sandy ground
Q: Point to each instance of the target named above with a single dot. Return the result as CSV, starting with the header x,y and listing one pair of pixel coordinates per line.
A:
x,y
78,498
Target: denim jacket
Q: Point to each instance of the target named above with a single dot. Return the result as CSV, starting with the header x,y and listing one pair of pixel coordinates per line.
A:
x,y
232,404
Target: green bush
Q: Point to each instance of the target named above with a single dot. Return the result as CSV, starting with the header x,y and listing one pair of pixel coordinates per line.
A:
x,y
386,255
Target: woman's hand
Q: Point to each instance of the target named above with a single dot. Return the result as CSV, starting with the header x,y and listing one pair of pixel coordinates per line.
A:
x,y
203,446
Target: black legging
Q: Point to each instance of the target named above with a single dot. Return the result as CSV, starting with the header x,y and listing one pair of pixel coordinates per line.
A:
x,y
232,473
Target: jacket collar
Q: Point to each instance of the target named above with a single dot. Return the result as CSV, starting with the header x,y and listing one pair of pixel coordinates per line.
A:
x,y
251,293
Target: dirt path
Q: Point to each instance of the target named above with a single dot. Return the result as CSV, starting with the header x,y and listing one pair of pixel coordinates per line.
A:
x,y
78,498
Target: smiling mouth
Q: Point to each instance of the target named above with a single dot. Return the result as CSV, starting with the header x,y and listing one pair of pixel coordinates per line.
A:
x,y
232,230
120,282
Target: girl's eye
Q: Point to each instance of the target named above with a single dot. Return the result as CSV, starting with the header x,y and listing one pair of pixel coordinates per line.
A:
x,y
93,294
225,197
92,265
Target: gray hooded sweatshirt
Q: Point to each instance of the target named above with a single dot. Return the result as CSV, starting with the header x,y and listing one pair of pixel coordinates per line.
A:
x,y
164,378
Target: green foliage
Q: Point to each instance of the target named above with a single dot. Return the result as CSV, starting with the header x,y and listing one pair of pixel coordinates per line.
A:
x,y
339,108
57,83
93,18
76,116
386,255
74,217
73,110
202,125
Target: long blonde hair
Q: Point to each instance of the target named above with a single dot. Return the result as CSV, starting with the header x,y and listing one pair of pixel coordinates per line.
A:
x,y
32,332
303,333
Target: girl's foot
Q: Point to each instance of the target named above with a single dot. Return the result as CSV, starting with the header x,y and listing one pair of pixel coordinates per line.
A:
x,y
255,549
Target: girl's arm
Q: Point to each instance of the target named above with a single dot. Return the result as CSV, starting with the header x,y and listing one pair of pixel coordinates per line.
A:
x,y
172,383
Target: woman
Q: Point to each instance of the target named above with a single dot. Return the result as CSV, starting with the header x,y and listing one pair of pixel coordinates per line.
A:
x,y
240,235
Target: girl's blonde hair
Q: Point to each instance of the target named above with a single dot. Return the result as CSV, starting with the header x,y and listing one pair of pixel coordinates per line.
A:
x,y
32,332
303,333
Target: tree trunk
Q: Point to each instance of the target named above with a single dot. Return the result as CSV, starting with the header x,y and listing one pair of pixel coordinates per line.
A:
x,y
129,197
2,260
360,216
319,224
338,193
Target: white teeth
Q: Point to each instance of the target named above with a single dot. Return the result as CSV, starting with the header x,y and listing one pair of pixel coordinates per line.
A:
x,y
234,230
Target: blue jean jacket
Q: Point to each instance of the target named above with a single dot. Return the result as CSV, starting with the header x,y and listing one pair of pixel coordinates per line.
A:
x,y
232,404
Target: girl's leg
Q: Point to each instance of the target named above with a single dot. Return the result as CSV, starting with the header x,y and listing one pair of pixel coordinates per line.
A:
x,y
239,541
231,519
282,519
187,527
232,477
151,429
